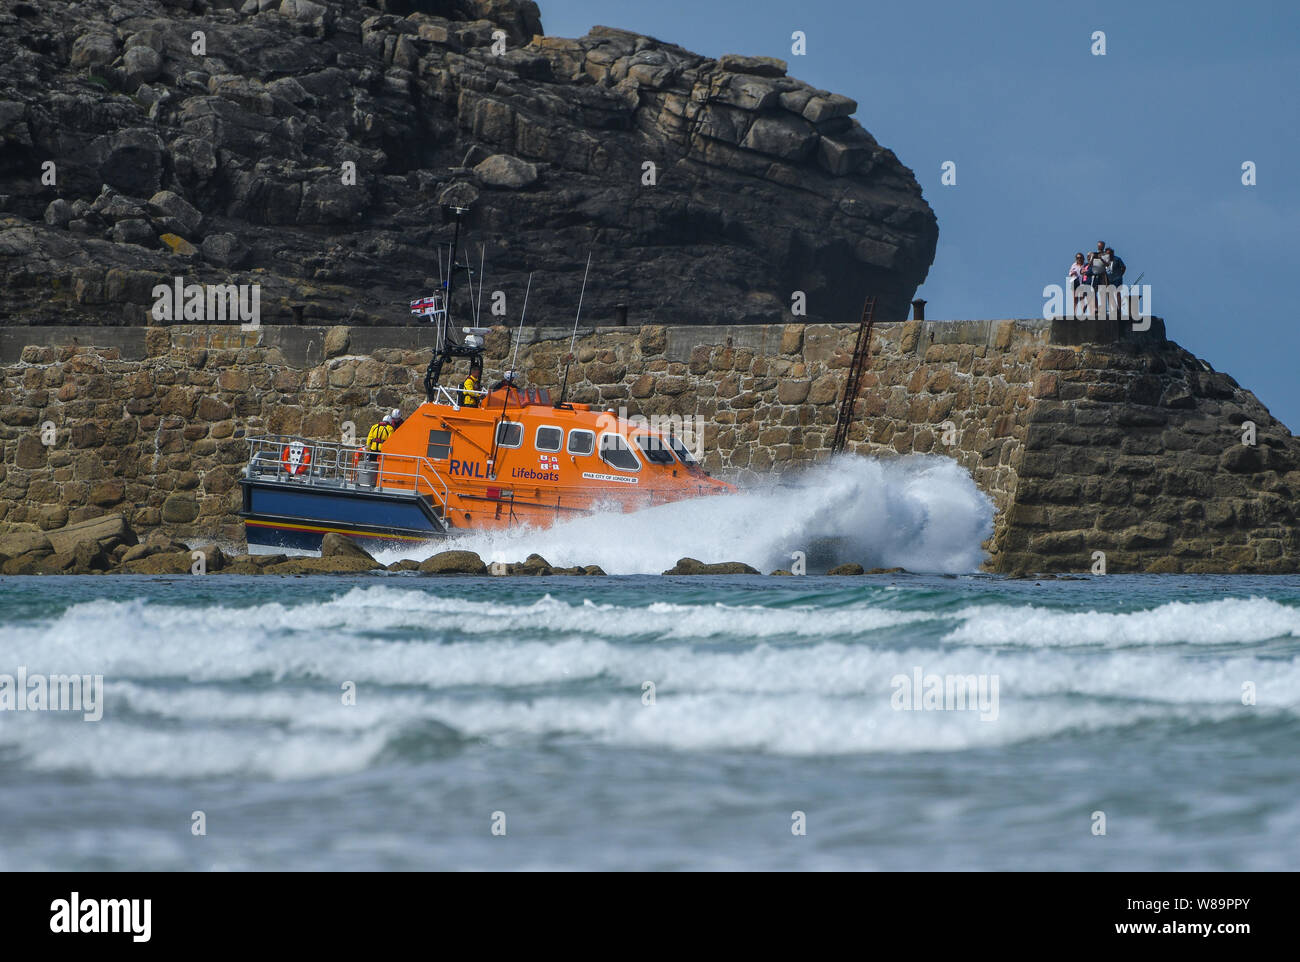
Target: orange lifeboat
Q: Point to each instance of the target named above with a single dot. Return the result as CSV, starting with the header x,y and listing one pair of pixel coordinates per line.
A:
x,y
464,460
517,458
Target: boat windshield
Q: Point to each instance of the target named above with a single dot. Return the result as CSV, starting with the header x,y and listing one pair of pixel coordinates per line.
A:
x,y
683,453
614,451
655,448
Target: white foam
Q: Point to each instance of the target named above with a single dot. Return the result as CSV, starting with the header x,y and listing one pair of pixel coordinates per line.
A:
x,y
132,751
923,513
798,724
143,640
396,682
1227,621
404,633
808,699
305,734
196,692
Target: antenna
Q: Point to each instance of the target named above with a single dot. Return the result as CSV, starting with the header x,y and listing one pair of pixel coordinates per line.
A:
x,y
469,277
459,213
580,296
446,346
519,333
505,395
564,388
482,257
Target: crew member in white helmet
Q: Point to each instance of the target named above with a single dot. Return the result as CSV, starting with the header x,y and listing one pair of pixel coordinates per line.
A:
x,y
507,380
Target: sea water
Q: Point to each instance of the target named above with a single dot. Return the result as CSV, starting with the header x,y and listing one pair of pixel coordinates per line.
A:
x,y
940,720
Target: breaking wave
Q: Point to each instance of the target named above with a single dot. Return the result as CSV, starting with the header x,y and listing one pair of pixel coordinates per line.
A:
x,y
920,512
222,687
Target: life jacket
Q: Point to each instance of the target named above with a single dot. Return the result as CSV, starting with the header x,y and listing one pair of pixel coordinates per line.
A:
x,y
468,400
377,436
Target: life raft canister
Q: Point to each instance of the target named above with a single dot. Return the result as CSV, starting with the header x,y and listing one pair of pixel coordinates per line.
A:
x,y
295,457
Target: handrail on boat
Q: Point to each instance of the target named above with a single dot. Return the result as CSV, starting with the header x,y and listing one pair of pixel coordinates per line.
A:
x,y
450,396
522,397
328,464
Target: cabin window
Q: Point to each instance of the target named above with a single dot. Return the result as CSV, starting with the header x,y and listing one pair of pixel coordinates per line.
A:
x,y
549,438
510,434
682,451
581,442
615,452
439,445
655,448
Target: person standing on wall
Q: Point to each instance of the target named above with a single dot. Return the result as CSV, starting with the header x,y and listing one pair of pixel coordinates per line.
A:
x,y
1099,266
1078,278
1115,274
1098,275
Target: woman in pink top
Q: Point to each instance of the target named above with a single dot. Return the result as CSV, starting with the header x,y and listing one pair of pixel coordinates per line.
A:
x,y
1078,276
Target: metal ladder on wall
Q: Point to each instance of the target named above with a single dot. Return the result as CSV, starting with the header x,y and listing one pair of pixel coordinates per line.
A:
x,y
861,357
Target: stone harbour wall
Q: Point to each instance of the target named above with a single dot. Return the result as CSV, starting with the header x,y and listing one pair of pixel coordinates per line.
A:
x,y
1132,448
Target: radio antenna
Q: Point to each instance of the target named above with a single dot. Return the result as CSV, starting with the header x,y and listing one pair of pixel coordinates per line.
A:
x,y
519,333
459,213
478,305
564,388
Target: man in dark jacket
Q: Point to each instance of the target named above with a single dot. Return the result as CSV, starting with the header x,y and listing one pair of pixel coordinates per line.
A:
x,y
1117,267
1115,276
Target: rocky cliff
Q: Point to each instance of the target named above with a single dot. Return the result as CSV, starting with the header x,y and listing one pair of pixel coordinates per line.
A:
x,y
307,147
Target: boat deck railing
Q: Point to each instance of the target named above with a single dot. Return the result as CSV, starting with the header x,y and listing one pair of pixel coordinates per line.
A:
x,y
451,396
344,467
517,396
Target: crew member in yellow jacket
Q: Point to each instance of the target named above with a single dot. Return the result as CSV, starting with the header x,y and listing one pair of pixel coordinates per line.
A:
x,y
467,398
377,436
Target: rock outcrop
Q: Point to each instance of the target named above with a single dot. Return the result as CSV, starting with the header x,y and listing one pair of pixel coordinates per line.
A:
x,y
537,566
331,565
337,546
88,547
307,147
849,568
690,566
1148,459
453,562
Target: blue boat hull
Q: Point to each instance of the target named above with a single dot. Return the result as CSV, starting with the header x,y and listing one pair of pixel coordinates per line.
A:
x,y
287,514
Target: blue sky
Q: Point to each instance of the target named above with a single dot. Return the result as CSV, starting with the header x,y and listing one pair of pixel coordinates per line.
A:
x,y
1057,148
